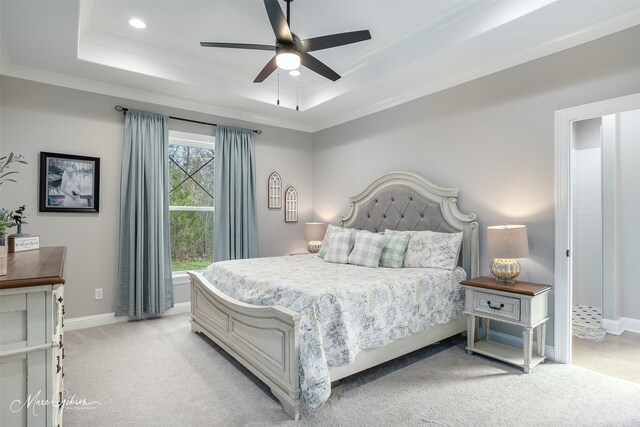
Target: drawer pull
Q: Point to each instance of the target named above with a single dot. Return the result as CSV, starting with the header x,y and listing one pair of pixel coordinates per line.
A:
x,y
61,345
60,299
63,312
63,353
58,367
494,308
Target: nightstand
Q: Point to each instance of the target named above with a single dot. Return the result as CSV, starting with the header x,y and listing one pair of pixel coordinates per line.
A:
x,y
522,303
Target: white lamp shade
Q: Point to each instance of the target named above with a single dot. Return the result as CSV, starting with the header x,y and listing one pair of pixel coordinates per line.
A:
x,y
507,241
288,60
314,231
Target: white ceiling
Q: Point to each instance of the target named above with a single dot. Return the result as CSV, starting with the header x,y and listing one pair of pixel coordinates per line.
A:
x,y
417,47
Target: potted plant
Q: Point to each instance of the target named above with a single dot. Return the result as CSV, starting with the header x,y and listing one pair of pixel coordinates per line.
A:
x,y
16,219
4,225
6,163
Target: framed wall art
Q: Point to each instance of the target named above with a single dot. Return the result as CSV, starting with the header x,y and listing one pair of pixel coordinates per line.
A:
x,y
69,183
275,191
291,205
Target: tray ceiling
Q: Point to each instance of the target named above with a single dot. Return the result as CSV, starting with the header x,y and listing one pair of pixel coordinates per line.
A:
x,y
417,48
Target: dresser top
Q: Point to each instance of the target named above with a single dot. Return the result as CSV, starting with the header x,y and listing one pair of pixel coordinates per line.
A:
x,y
519,287
44,266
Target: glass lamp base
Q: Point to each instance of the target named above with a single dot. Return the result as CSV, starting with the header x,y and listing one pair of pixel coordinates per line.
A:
x,y
505,270
314,246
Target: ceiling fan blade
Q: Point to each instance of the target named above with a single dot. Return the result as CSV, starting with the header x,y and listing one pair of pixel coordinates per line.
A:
x,y
335,40
267,70
238,45
316,66
278,21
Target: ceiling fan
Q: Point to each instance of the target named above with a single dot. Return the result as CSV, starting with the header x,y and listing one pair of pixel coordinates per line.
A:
x,y
290,50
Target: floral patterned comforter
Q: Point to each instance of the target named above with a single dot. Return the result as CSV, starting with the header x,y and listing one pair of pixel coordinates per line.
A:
x,y
344,308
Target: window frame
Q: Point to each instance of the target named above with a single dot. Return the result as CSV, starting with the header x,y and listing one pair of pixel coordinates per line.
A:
x,y
194,140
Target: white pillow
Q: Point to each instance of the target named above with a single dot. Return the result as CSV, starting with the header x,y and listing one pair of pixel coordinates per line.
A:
x,y
429,249
339,247
367,249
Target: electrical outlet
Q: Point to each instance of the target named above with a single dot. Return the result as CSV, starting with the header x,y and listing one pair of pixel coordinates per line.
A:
x,y
98,293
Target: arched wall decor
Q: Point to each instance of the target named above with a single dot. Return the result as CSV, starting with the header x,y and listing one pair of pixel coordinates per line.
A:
x,y
274,193
291,205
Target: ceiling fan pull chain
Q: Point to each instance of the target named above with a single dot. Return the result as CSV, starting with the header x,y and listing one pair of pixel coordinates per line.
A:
x,y
278,102
297,89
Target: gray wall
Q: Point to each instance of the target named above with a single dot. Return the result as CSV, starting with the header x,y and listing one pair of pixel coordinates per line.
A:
x,y
586,182
493,138
629,211
37,117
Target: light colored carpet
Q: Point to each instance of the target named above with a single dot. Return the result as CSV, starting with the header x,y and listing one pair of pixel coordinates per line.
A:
x,y
159,373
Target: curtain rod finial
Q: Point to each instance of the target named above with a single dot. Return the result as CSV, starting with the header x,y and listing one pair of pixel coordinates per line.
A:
x,y
119,108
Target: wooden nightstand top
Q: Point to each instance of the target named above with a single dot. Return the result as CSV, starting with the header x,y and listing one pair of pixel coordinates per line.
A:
x,y
520,288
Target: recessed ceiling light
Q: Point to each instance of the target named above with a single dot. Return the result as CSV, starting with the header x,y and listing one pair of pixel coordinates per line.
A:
x,y
137,23
294,73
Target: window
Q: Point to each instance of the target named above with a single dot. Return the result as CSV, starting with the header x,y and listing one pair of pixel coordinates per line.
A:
x,y
191,187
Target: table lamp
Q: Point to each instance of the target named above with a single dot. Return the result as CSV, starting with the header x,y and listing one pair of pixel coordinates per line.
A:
x,y
506,243
314,233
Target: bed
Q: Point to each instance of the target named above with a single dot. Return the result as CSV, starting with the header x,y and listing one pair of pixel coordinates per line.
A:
x,y
287,334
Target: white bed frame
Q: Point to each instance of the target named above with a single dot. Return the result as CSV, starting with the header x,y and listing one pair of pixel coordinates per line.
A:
x,y
265,339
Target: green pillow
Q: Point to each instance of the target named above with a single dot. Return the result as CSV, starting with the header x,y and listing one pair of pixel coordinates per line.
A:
x,y
394,248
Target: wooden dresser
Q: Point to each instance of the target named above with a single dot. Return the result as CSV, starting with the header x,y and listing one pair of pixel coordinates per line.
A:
x,y
31,338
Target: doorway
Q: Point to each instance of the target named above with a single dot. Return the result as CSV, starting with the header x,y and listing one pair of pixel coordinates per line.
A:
x,y
587,187
616,263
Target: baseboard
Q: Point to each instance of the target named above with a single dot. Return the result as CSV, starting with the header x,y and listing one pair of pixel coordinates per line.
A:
x,y
616,327
514,341
111,318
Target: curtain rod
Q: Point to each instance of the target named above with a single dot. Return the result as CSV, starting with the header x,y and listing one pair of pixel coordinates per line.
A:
x,y
124,110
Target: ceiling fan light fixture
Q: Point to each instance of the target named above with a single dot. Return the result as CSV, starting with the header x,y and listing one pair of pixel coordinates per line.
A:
x,y
288,60
294,73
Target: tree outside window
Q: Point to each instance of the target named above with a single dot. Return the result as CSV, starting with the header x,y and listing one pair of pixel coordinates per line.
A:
x,y
191,200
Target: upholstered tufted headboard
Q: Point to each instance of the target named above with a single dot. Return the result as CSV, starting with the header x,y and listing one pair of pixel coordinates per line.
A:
x,y
405,201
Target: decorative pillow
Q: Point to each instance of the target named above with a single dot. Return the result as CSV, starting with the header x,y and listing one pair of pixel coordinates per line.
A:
x,y
367,249
339,247
395,246
330,230
433,250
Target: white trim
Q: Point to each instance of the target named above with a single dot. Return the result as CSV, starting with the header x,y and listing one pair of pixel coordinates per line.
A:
x,y
192,208
110,318
186,138
514,341
562,289
623,324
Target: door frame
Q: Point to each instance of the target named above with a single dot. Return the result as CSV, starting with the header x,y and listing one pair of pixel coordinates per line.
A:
x,y
563,225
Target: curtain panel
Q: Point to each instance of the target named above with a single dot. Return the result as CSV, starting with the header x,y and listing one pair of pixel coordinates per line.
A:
x,y
144,277
236,228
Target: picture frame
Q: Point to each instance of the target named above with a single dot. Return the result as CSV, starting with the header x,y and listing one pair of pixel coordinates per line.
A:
x,y
274,191
69,183
291,205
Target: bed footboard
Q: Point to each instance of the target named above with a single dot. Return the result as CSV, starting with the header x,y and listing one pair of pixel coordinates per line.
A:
x,y
264,339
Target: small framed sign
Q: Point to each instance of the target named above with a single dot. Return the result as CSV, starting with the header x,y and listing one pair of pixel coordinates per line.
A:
x,y
23,243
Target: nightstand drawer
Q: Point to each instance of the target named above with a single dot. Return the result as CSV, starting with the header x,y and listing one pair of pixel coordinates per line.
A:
x,y
496,305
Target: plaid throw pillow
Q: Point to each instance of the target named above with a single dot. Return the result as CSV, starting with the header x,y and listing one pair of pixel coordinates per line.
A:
x,y
395,246
327,235
367,249
339,247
